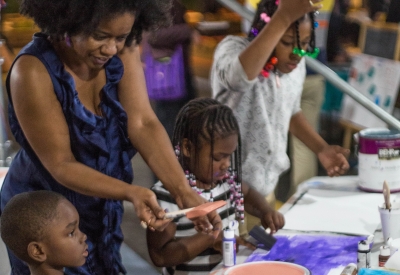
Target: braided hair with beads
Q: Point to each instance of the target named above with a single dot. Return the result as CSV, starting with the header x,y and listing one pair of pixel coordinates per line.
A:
x,y
269,7
205,120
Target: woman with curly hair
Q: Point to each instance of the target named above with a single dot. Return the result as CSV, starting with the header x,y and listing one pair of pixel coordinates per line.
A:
x,y
80,111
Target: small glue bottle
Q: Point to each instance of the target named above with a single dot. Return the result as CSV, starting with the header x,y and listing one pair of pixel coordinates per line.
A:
x,y
229,247
363,255
350,269
384,255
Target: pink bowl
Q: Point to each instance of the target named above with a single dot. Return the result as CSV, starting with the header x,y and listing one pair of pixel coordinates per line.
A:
x,y
262,268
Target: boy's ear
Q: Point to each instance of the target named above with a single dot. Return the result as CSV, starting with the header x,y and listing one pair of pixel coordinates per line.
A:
x,y
36,252
186,147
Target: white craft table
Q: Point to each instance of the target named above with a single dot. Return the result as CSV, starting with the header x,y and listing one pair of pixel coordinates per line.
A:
x,y
343,183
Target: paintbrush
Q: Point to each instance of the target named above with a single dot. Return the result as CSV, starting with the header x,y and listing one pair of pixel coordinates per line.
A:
x,y
195,212
386,194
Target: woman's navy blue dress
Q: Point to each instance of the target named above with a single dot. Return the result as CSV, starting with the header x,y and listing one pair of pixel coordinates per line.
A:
x,y
101,143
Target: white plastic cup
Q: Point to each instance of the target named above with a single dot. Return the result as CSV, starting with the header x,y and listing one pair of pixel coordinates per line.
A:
x,y
390,220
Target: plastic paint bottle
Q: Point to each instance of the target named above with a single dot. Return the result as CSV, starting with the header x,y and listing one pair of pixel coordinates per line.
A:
x,y
384,255
229,248
363,255
350,269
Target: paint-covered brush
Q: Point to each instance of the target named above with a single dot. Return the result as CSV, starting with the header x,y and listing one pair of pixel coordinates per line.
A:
x,y
195,212
386,194
260,238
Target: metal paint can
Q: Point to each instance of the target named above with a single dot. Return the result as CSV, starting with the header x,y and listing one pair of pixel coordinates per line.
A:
x,y
379,159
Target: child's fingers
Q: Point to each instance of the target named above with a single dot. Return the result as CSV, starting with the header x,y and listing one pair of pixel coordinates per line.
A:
x,y
158,224
241,241
279,221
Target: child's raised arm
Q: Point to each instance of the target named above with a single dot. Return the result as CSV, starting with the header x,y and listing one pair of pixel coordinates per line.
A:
x,y
254,57
256,205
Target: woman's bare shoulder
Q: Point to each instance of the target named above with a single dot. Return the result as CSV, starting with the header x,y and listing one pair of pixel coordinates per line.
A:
x,y
27,66
29,73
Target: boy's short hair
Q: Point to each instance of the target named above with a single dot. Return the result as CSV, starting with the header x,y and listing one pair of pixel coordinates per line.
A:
x,y
25,218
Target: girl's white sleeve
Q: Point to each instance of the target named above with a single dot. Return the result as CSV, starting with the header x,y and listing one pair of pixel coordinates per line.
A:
x,y
227,72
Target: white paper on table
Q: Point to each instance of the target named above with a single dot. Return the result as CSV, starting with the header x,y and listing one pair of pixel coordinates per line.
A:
x,y
394,261
353,213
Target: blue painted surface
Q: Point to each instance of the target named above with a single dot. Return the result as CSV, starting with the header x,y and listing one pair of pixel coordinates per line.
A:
x,y
366,271
318,253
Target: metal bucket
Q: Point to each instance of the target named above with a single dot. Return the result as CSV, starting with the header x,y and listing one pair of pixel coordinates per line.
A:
x,y
379,159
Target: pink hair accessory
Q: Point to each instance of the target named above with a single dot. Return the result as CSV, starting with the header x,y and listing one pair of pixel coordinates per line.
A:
x,y
265,17
277,2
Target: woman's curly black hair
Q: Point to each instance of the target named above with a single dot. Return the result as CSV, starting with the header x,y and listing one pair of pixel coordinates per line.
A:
x,y
58,18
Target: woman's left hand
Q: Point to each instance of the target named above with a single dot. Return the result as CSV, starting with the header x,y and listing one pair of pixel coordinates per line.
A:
x,y
334,160
148,210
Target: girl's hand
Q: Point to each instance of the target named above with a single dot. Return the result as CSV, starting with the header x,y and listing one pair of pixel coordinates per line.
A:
x,y
239,241
294,9
218,242
210,224
273,220
147,209
334,160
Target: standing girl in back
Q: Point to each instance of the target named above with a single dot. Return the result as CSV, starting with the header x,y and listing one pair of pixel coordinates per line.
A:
x,y
261,78
207,144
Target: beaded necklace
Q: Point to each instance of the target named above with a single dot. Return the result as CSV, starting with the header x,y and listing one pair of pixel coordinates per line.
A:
x,y
235,191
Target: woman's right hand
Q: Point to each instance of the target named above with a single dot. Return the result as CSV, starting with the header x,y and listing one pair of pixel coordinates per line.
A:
x,y
147,208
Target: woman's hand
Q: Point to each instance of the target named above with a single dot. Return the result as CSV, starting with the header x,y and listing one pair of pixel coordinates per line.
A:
x,y
273,220
147,209
334,160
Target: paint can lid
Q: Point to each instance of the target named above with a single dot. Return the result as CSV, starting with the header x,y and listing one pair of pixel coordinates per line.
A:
x,y
384,250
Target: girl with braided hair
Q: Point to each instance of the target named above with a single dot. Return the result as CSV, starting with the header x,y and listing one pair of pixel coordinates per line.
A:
x,y
207,145
261,78
80,111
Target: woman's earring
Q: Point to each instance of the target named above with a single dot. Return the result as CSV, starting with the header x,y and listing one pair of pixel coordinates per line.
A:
x,y
269,66
68,40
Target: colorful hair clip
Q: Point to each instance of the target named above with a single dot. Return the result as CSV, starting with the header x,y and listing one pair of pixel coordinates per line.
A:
x,y
270,66
277,2
265,17
254,31
177,150
316,24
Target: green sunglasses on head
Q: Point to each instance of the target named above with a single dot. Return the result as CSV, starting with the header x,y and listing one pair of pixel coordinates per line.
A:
x,y
301,52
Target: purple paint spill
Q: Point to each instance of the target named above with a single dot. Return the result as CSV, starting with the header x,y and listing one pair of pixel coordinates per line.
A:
x,y
318,253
